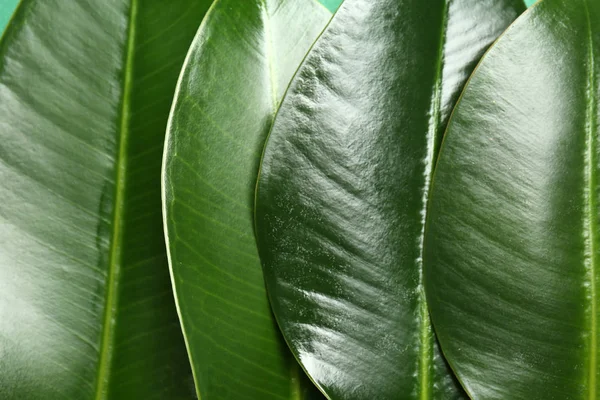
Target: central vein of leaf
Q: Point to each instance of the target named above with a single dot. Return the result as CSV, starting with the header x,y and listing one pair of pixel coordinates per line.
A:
x,y
115,255
426,332
270,56
590,216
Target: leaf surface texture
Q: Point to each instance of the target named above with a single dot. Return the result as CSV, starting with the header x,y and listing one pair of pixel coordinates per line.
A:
x,y
239,66
512,241
86,306
343,190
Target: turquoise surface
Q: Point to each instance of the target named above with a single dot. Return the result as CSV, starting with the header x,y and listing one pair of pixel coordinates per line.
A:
x,y
529,2
332,5
6,9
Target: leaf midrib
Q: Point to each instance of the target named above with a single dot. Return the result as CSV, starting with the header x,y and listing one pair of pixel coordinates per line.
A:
x,y
269,56
590,199
426,334
115,252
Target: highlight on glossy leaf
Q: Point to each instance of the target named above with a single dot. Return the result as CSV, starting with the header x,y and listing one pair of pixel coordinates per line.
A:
x,y
243,57
342,192
86,307
511,251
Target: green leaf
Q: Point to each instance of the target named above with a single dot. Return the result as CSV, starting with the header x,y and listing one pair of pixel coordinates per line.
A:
x,y
512,248
86,309
239,66
343,189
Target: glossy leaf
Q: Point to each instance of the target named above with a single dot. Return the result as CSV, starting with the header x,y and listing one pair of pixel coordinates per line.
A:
x,y
239,66
512,242
343,189
86,307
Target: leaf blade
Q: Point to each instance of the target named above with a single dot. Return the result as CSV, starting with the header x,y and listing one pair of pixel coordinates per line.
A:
x,y
535,263
62,96
341,258
237,71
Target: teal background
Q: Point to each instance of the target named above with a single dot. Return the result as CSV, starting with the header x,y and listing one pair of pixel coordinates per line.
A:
x,y
331,5
529,2
6,9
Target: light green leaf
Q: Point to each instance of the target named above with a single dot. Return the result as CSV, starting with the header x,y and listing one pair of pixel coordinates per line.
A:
x,y
512,247
86,309
342,194
239,66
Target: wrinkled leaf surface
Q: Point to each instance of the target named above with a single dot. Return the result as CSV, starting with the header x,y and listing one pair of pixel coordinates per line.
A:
x,y
343,190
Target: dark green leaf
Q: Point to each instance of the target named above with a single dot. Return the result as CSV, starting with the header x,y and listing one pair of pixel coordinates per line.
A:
x,y
86,308
239,66
343,189
512,244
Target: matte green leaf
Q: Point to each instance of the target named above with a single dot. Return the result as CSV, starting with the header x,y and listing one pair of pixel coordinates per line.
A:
x,y
343,189
512,245
86,307
238,68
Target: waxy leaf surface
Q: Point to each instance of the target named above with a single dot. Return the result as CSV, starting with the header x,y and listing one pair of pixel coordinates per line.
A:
x,y
343,190
86,306
238,68
512,251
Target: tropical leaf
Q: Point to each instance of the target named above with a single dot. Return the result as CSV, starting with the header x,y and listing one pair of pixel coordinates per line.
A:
x,y
343,190
239,66
86,308
512,239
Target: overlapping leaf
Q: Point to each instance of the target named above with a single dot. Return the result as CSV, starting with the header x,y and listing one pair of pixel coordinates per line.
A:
x,y
512,241
238,68
343,190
